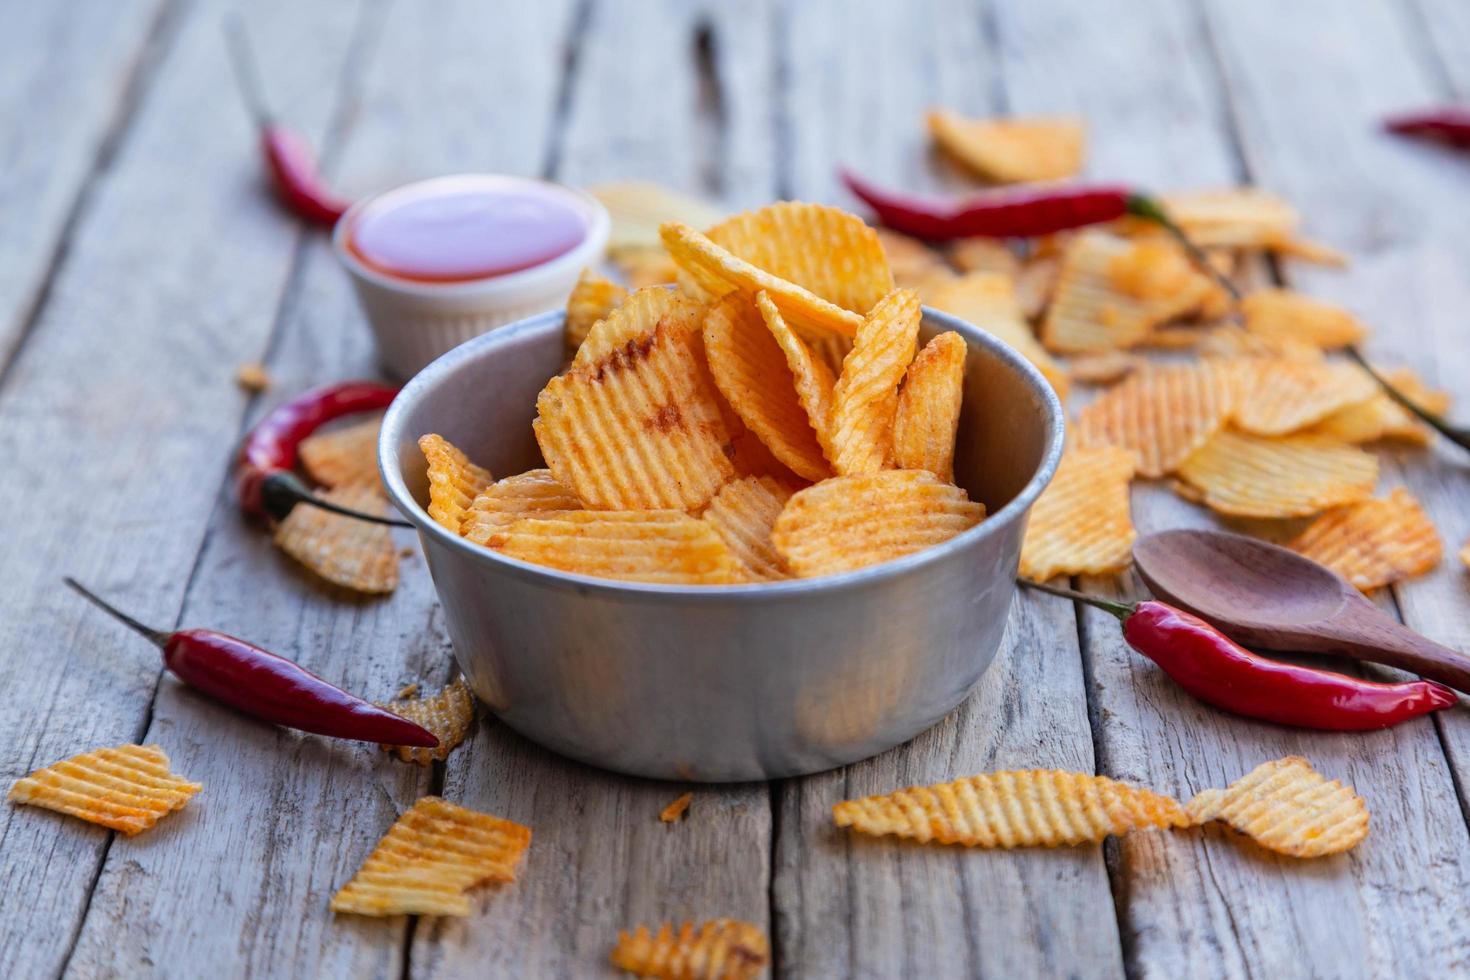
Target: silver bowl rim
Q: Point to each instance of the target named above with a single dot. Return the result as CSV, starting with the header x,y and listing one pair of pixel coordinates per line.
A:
x,y
422,383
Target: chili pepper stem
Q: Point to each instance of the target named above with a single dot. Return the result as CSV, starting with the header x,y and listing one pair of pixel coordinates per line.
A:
x,y
1143,206
157,636
1460,437
282,491
1120,609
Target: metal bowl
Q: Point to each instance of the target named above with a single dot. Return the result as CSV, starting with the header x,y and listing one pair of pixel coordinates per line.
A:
x,y
721,683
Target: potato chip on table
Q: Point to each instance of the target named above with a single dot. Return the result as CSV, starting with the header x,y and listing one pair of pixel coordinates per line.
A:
x,y
1289,476
1380,417
1288,807
637,208
128,788
1283,313
447,715
1238,217
634,320
1081,523
720,949
1373,542
661,546
591,299
929,402
743,513
345,551
1094,306
984,255
1036,283
1158,272
1012,150
454,481
535,493
1161,414
1230,340
676,809
858,437
1103,367
1281,397
345,455
911,261
988,300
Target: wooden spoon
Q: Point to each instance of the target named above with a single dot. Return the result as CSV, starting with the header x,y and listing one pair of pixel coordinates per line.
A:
x,y
1265,596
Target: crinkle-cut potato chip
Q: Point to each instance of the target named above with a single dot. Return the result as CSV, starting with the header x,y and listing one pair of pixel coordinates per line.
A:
x,y
675,810
929,407
1282,397
720,949
1157,272
1284,313
535,493
1286,476
743,514
750,369
1036,284
1373,542
911,260
634,321
642,267
1380,417
127,788
640,428
591,299
1231,340
813,379
1081,524
1103,367
1022,808
1288,807
988,300
454,481
637,208
1180,336
1088,311
1307,250
850,522
662,546
831,350
1161,413
1239,217
345,455
985,255
430,857
858,437
1012,150
345,551
447,714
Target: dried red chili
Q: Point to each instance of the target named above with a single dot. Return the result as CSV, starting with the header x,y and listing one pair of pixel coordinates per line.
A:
x,y
1446,124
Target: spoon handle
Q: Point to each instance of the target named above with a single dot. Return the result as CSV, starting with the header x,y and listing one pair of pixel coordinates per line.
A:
x,y
1367,633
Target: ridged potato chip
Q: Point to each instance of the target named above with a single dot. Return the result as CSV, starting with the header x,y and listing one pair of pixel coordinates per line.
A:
x,y
721,949
640,428
988,300
813,379
1157,272
447,714
675,811
1161,414
345,455
1081,523
1012,150
634,321
1288,807
1227,340
535,493
430,857
1023,808
453,481
858,437
663,546
743,514
642,267
1283,313
591,299
911,261
1036,283
849,522
1089,311
1282,397
1237,217
1380,417
638,207
127,788
348,552
1103,367
984,255
1288,476
1373,542
929,407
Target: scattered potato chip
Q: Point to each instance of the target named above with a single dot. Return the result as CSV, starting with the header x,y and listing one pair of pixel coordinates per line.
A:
x,y
1238,217
535,493
1157,272
253,377
988,300
982,254
1103,367
1024,808
1088,311
813,379
1380,417
1288,476
1012,150
1180,336
453,481
1465,554
1373,542
355,554
1081,523
1288,807
743,514
1296,247
676,810
591,299
430,857
911,260
637,208
127,788
1286,396
663,546
643,267
1036,284
1283,313
858,437
635,319
1162,413
849,522
1231,340
929,407
447,714
722,949
345,455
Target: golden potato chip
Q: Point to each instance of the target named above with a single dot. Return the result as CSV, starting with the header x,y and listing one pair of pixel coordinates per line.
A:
x,y
447,714
640,428
127,788
721,949
643,267
1161,414
1103,367
1181,336
858,437
1012,150
1288,476
1373,542
1288,807
1465,554
1380,417
750,369
252,377
634,321
1238,217
988,300
453,481
676,810
430,857
813,379
535,493
345,455
1283,313
355,554
849,522
743,514
638,207
1296,247
1231,340
984,255
591,299
1090,312
663,546
929,407
911,260
1036,284
1158,272
1081,523
1281,397
1023,808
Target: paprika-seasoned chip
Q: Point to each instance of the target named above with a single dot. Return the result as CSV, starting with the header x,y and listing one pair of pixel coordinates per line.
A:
x,y
911,260
345,455
721,949
929,407
642,267
453,481
1380,417
638,207
1023,808
858,437
988,300
1289,476
813,379
447,714
591,299
984,255
1231,340
1089,311
849,522
1161,414
1373,542
634,321
535,493
127,788
666,546
355,554
1288,807
430,857
1239,217
1103,367
639,428
743,513
1012,150
1036,284
1283,313
1287,396
1158,272
676,810
1081,524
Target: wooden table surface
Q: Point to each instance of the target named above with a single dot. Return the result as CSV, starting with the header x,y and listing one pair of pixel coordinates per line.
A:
x,y
140,264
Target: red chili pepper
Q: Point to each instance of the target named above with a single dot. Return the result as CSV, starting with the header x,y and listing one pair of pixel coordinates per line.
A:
x,y
1218,671
267,686
1447,124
